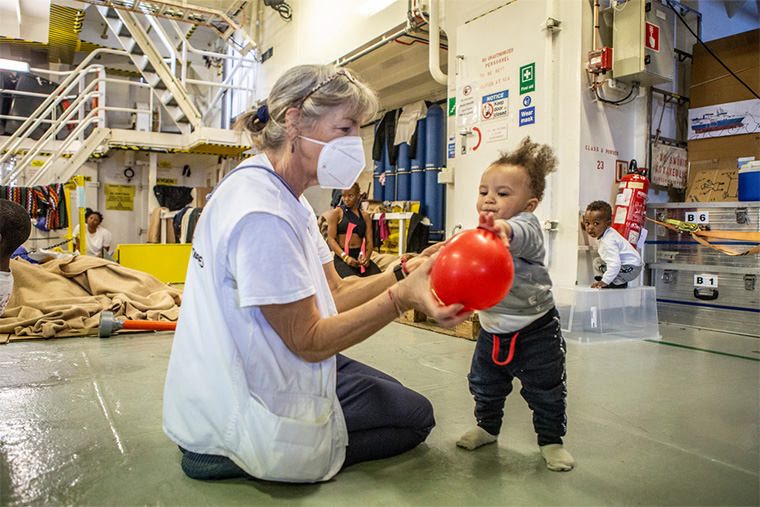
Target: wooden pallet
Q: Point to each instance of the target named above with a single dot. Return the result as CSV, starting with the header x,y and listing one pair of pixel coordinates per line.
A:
x,y
468,329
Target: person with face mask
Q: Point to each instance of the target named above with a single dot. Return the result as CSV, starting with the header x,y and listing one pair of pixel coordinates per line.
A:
x,y
256,384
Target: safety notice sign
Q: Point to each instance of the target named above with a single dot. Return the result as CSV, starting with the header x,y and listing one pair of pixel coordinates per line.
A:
x,y
652,40
466,109
528,78
495,106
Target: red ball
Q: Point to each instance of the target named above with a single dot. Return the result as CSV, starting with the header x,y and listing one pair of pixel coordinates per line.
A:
x,y
474,268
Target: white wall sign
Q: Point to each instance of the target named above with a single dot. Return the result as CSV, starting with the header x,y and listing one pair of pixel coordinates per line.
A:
x,y
705,280
697,217
495,132
730,119
495,106
467,104
669,165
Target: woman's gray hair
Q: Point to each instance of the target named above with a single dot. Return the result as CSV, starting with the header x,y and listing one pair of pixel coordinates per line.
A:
x,y
314,89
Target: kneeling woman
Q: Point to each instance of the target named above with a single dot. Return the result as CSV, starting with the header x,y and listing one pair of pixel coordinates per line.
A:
x,y
351,227
256,384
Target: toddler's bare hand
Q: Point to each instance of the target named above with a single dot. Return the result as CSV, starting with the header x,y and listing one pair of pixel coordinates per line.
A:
x,y
488,222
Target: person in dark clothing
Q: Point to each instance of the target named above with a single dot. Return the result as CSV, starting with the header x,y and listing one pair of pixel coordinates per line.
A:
x,y
349,236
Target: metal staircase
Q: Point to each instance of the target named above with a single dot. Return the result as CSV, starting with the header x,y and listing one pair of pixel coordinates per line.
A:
x,y
164,75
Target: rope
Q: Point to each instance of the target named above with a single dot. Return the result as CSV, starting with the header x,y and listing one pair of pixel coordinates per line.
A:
x,y
700,235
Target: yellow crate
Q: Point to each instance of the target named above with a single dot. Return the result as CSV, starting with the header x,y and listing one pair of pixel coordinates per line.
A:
x,y
167,262
468,329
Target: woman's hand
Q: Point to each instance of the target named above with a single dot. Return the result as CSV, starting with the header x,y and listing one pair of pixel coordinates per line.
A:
x,y
352,262
488,222
414,261
415,292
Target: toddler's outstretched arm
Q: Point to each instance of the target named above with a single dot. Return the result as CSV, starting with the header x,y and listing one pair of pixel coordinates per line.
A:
x,y
501,228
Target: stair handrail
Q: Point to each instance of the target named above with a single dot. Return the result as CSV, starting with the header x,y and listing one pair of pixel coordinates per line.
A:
x,y
167,75
174,54
41,113
132,6
203,52
86,122
37,117
52,132
226,81
85,95
89,119
248,57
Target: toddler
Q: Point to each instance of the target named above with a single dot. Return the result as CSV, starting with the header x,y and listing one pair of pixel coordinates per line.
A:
x,y
620,262
15,227
520,336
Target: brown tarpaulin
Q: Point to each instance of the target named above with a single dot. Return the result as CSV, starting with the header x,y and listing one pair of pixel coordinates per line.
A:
x,y
64,297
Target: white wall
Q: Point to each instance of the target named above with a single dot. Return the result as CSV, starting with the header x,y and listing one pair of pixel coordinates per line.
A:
x,y
588,137
716,22
130,226
321,31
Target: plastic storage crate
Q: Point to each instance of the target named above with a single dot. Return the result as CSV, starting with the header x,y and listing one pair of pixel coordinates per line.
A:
x,y
607,315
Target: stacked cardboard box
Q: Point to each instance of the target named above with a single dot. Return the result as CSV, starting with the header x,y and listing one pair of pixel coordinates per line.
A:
x,y
713,162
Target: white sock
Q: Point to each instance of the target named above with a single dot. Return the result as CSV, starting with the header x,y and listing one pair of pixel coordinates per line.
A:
x,y
475,438
557,458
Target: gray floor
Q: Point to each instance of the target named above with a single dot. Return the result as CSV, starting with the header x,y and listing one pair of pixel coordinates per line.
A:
x,y
649,424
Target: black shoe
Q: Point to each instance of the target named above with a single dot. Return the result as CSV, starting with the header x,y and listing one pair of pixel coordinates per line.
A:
x,y
207,467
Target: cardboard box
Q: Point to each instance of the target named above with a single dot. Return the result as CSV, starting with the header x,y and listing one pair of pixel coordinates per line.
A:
x,y
711,84
713,162
715,180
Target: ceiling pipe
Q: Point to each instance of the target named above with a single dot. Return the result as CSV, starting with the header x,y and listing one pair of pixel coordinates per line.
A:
x,y
433,48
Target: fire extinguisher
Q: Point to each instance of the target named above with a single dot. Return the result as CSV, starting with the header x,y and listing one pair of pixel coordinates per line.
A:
x,y
631,204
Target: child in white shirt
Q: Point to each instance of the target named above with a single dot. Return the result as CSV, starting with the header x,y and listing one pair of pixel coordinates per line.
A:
x,y
621,263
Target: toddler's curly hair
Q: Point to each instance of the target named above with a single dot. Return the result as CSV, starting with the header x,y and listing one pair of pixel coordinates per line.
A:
x,y
537,159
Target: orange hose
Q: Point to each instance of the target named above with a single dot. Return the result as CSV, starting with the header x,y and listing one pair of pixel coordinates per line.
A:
x,y
152,325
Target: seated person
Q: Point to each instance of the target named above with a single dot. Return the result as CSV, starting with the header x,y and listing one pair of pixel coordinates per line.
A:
x,y
621,263
15,227
98,238
351,227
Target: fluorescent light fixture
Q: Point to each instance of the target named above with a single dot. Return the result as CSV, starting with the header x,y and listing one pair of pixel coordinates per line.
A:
x,y
13,65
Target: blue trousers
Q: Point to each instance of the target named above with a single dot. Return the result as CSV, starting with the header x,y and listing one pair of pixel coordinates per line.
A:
x,y
383,417
536,356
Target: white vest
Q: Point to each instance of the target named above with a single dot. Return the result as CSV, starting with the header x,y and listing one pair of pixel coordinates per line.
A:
x,y
233,388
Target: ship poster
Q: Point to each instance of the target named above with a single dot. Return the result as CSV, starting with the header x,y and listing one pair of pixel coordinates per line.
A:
x,y
730,119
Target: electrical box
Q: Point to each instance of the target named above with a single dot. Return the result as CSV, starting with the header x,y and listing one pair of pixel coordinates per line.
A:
x,y
600,60
642,38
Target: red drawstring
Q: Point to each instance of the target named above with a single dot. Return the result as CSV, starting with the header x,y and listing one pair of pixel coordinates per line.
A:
x,y
495,354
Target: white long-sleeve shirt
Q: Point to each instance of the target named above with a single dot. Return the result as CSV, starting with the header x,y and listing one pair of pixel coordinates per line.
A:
x,y
615,251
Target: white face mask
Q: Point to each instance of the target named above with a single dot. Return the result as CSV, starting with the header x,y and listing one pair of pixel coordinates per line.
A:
x,y
341,161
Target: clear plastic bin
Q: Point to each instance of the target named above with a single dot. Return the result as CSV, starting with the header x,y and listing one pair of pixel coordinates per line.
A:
x,y
607,315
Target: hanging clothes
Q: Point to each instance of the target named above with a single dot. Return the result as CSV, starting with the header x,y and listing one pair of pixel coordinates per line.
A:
x,y
384,137
177,223
191,223
173,197
418,233
46,202
407,121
